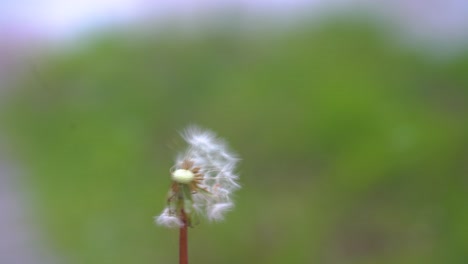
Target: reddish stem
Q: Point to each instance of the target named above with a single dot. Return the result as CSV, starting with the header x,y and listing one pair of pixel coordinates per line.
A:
x,y
183,245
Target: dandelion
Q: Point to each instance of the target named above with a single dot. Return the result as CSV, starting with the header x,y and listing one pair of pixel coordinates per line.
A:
x,y
203,180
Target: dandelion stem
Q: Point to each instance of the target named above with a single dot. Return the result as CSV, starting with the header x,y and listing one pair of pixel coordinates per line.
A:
x,y
183,247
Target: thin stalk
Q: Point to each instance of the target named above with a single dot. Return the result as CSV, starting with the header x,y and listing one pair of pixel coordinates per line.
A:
x,y
183,245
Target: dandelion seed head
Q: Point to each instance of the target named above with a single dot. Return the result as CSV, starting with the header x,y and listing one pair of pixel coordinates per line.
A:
x,y
207,166
217,164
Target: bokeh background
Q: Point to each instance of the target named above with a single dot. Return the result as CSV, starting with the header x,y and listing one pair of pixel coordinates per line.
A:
x,y
351,119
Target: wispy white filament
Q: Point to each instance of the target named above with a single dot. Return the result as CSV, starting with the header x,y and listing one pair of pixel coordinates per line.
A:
x,y
217,210
168,220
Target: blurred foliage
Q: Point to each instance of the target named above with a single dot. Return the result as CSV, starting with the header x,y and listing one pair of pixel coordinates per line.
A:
x,y
354,148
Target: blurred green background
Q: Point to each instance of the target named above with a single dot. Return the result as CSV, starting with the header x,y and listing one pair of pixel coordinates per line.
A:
x,y
354,148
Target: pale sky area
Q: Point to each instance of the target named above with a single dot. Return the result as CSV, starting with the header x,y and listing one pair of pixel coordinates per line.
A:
x,y
58,19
